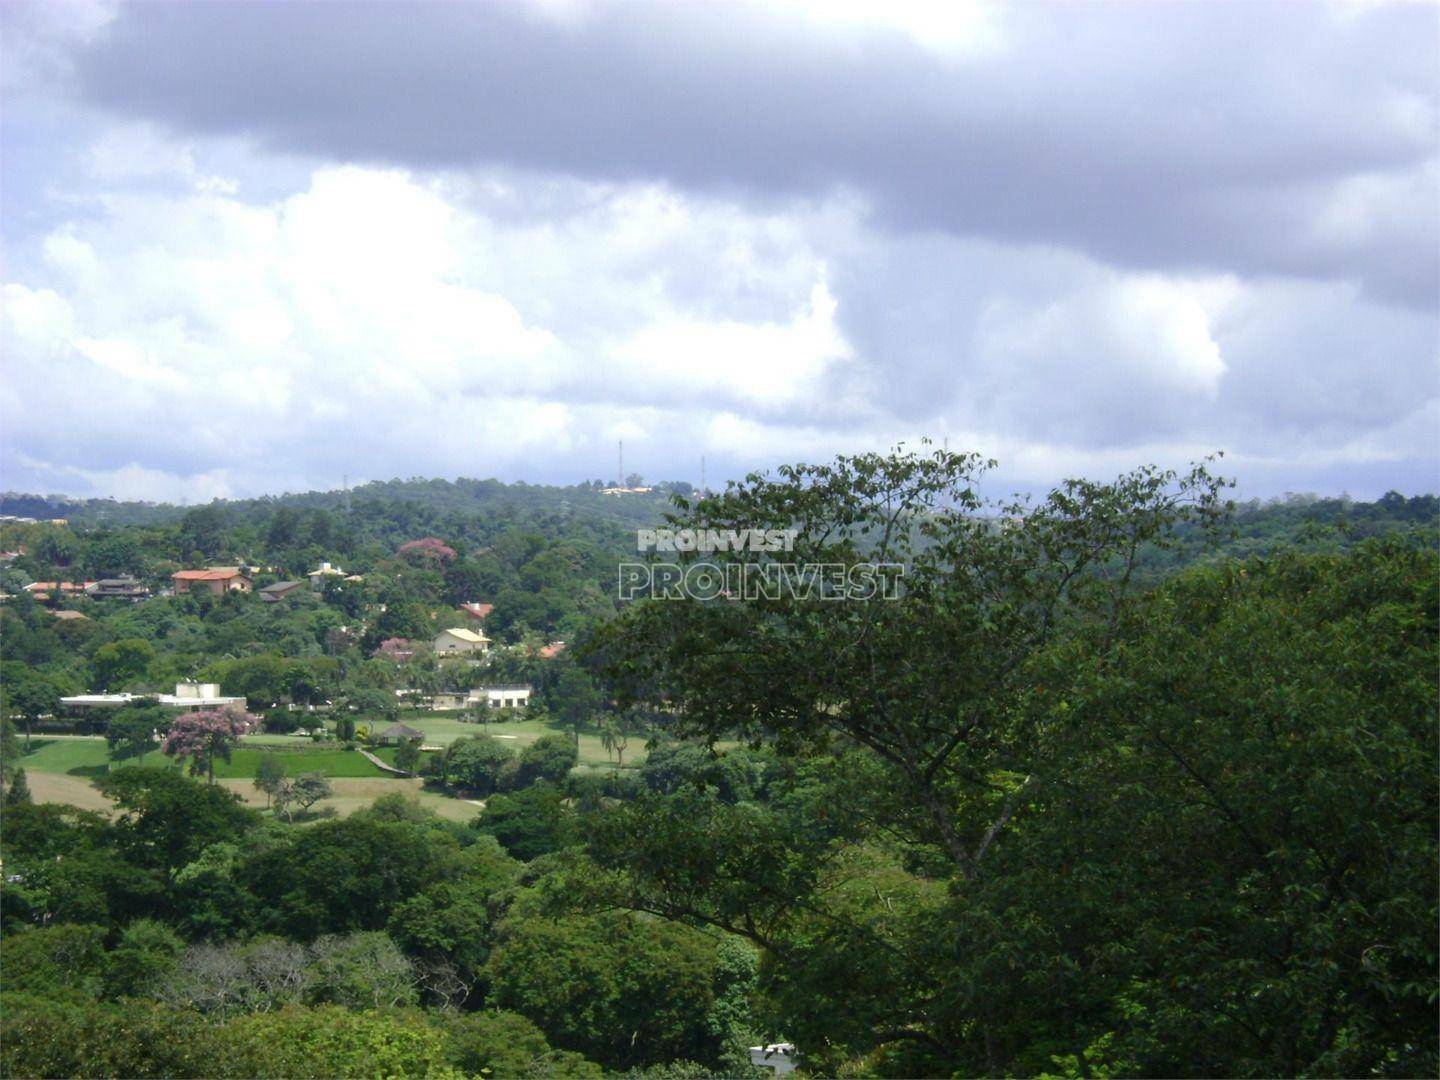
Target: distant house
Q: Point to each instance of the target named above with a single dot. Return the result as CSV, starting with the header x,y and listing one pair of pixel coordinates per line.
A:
x,y
216,580
123,587
500,696
476,610
460,642
325,570
69,616
273,594
549,652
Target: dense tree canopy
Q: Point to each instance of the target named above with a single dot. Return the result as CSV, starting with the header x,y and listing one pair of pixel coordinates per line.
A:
x,y
1117,785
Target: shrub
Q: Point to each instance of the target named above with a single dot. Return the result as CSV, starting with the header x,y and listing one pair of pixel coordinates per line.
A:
x,y
327,1041
41,1037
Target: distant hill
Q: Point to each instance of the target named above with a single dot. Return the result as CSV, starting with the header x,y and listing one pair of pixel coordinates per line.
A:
x,y
1304,522
477,510
441,496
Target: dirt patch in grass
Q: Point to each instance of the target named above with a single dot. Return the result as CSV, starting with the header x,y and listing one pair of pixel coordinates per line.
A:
x,y
353,794
71,790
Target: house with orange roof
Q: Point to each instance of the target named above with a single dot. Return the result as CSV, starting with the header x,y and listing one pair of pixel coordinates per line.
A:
x,y
216,580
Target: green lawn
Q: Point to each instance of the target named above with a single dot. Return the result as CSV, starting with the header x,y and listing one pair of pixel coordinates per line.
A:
x,y
336,763
90,757
78,757
441,730
277,740
62,771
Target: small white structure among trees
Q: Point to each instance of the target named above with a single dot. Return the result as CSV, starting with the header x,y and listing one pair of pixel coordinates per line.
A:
x,y
777,1056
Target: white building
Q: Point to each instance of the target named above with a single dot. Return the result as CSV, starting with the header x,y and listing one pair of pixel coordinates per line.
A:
x,y
460,642
317,577
188,695
777,1056
503,696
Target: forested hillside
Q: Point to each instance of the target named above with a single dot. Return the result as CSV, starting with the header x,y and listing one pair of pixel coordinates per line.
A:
x,y
1132,783
434,497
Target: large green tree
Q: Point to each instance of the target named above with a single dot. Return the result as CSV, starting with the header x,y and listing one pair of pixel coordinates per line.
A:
x,y
166,820
1201,818
476,763
134,730
619,990
927,679
119,662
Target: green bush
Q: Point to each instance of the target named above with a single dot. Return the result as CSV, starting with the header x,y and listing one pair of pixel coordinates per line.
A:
x,y
40,1037
327,1041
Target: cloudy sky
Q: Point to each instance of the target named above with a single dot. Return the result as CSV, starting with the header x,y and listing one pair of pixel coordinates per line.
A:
x,y
255,247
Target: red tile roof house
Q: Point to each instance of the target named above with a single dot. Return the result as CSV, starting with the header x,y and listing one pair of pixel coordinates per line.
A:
x,y
215,581
477,611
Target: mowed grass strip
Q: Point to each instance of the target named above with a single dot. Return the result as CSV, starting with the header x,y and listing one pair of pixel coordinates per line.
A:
x,y
76,757
91,758
337,763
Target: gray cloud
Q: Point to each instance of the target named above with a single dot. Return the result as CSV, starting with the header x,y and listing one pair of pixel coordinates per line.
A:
x,y
1091,236
1281,139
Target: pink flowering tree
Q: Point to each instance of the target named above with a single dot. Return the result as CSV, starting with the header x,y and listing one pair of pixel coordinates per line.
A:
x,y
206,734
429,551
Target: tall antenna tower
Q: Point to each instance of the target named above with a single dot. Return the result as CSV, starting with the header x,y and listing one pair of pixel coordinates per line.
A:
x,y
703,489
620,463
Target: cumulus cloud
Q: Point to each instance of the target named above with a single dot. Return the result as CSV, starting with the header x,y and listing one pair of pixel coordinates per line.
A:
x,y
1222,137
495,239
1118,347
377,322
210,335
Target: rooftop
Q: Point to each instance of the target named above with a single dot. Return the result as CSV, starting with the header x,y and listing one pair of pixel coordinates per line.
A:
x,y
401,731
466,635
